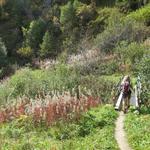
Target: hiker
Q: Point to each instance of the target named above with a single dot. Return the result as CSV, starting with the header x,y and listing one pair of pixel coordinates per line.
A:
x,y
126,88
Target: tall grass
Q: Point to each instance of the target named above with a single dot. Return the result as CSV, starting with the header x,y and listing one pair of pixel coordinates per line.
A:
x,y
48,109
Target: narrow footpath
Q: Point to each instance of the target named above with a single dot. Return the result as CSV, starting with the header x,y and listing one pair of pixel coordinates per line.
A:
x,y
120,133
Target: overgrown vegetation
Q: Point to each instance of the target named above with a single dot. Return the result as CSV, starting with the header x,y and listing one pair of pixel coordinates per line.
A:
x,y
137,127
93,130
79,46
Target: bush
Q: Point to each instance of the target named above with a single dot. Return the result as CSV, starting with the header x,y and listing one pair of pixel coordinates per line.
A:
x,y
86,13
99,24
141,15
99,67
143,68
98,87
120,29
132,52
25,52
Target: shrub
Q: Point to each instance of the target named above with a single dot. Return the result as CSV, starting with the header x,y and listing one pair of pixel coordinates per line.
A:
x,y
99,67
86,13
141,15
98,87
99,24
143,68
132,52
120,29
25,52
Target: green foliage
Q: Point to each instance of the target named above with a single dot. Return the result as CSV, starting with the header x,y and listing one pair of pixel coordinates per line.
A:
x,y
29,83
143,68
99,67
69,21
34,34
136,127
99,86
141,15
48,45
94,119
130,5
101,22
26,52
68,17
63,135
61,78
132,52
3,53
119,29
85,13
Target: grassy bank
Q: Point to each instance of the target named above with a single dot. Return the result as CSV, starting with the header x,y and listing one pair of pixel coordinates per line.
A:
x,y
94,130
138,131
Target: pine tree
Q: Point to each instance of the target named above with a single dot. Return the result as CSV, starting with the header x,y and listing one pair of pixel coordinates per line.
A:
x,y
68,16
48,45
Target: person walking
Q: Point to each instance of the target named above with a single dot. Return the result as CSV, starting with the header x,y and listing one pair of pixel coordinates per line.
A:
x,y
126,88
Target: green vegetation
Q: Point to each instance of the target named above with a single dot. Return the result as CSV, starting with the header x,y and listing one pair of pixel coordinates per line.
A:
x,y
137,128
30,83
142,15
3,53
27,82
76,46
94,129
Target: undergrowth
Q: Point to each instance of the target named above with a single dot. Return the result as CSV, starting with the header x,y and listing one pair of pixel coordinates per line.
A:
x,y
93,131
138,130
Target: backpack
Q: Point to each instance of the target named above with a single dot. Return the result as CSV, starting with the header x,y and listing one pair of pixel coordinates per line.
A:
x,y
126,87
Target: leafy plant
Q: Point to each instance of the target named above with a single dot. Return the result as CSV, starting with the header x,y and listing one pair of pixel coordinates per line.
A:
x,y
135,126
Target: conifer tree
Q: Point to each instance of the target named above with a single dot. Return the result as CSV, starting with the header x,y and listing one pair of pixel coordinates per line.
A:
x,y
48,45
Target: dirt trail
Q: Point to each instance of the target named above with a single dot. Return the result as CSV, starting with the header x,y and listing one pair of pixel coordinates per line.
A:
x,y
120,133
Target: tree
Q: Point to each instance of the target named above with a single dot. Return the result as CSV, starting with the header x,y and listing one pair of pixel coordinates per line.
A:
x,y
68,15
33,35
3,53
48,45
